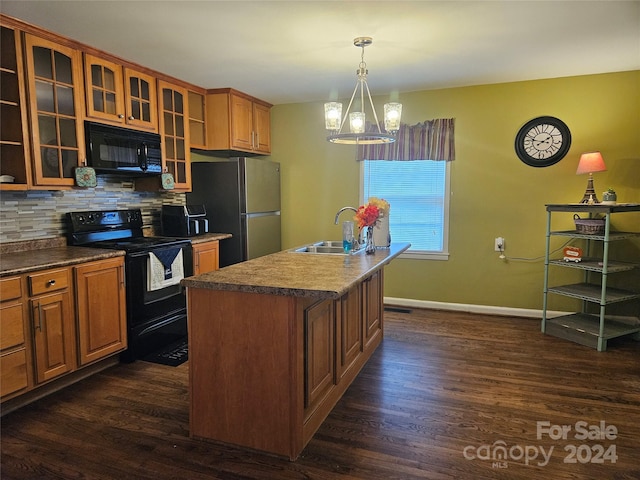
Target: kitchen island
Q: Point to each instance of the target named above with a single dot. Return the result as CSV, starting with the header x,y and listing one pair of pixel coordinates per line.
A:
x,y
275,342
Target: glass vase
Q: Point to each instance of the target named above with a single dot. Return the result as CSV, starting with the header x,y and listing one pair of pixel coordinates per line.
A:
x,y
369,246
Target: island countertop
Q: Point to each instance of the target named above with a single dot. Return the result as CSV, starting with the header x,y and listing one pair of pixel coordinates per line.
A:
x,y
297,274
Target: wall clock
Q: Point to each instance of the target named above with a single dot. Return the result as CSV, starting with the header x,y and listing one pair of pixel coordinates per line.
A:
x,y
543,141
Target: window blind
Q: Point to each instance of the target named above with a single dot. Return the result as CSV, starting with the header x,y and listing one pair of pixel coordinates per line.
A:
x,y
416,192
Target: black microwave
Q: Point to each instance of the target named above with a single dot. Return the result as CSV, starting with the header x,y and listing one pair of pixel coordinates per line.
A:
x,y
122,151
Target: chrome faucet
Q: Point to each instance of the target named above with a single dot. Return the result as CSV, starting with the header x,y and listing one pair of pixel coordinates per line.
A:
x,y
356,241
342,210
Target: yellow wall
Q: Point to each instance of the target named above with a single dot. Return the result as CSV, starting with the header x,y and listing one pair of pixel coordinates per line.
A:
x,y
492,192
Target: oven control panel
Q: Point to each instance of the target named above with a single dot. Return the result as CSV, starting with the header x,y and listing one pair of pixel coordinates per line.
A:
x,y
102,220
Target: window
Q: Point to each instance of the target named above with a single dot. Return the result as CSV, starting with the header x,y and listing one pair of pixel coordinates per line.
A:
x,y
418,192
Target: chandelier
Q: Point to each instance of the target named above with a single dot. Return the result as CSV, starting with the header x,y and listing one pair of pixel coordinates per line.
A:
x,y
334,120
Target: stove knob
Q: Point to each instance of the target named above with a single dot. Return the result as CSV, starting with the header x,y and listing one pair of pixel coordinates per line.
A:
x,y
80,219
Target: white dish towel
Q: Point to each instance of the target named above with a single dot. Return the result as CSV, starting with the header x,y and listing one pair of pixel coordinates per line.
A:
x,y
164,269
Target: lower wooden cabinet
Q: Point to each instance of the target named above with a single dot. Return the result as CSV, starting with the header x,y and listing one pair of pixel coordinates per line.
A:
x,y
339,336
55,321
52,325
14,372
319,347
53,335
348,330
268,369
14,341
100,309
206,257
372,306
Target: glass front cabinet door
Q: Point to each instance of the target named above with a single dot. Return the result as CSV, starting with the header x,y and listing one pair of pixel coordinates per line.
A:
x,y
54,74
140,100
105,97
174,122
120,96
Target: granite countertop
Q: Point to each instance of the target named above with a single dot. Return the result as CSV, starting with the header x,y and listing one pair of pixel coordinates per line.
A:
x,y
16,263
297,274
32,255
208,237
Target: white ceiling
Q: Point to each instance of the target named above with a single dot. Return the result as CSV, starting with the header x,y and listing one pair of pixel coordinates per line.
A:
x,y
299,51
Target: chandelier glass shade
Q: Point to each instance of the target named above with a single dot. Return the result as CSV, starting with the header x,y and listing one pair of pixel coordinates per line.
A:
x,y
335,119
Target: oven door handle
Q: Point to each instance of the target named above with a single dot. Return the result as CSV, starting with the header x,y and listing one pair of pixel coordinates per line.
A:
x,y
143,155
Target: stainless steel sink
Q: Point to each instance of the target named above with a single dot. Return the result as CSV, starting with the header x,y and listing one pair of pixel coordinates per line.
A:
x,y
333,247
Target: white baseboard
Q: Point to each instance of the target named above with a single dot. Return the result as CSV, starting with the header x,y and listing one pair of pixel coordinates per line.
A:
x,y
462,307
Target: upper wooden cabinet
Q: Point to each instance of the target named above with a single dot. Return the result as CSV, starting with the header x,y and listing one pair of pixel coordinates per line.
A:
x,y
174,121
120,96
238,122
140,100
14,133
52,84
54,80
262,127
197,120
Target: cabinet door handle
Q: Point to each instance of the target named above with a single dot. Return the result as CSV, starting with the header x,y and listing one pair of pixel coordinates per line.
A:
x,y
131,117
39,325
120,115
257,145
51,283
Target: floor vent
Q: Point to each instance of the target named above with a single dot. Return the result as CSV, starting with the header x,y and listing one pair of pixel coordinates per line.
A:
x,y
397,309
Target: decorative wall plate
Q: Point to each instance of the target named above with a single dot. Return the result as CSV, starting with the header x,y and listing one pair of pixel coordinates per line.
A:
x,y
85,177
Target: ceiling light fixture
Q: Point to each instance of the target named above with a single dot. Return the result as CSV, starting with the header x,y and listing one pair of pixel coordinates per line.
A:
x,y
334,120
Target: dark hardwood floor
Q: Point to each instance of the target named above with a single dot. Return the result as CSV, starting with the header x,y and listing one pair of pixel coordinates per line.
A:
x,y
442,392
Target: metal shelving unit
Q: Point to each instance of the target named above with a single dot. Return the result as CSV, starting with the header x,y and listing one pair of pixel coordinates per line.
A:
x,y
592,330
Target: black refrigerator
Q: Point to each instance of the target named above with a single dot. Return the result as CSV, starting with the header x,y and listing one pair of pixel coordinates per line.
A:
x,y
242,197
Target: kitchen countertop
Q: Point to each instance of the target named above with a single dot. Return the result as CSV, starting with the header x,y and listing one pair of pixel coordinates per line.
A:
x,y
208,237
16,263
297,274
28,256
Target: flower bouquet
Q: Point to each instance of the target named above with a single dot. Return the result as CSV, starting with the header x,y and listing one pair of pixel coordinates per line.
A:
x,y
375,212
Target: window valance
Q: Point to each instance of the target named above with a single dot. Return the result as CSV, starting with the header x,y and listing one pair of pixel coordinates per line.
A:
x,y
429,140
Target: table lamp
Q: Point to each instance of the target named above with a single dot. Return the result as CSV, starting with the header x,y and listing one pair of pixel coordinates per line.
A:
x,y
589,163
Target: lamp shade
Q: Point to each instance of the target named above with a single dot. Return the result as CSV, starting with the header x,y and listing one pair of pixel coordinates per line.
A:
x,y
333,115
356,122
392,114
591,162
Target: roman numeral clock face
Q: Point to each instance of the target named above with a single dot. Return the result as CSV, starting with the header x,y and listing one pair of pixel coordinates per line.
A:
x,y
543,141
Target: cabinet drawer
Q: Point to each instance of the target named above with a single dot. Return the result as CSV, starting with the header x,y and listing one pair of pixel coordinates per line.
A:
x,y
13,372
11,326
50,281
10,289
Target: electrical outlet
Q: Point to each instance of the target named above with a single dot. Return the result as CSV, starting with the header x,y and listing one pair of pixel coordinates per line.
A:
x,y
499,244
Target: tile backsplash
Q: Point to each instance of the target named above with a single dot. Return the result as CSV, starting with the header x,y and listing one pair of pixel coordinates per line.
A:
x,y
33,215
